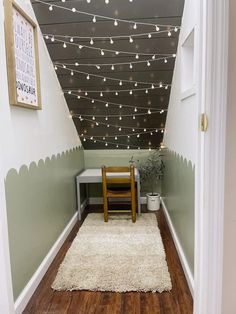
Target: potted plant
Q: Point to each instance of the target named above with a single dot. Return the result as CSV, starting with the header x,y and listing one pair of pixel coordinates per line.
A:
x,y
151,171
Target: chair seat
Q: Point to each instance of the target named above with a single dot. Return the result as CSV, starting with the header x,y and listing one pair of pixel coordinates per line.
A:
x,y
116,193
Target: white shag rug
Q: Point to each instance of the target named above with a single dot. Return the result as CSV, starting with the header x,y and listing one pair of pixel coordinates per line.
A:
x,y
115,256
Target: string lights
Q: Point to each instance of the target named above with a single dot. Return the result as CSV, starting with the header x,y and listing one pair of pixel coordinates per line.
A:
x,y
111,39
99,65
117,126
103,50
117,91
107,104
120,115
121,81
131,87
115,21
116,136
118,145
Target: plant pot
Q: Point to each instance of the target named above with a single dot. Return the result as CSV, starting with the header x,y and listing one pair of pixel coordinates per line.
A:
x,y
153,201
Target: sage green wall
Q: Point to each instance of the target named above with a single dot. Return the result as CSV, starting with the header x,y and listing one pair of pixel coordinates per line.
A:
x,y
178,194
41,200
114,157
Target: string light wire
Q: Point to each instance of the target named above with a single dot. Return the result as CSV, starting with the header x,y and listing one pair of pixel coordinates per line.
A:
x,y
117,52
114,125
116,20
62,66
119,90
123,145
123,135
110,103
98,65
109,38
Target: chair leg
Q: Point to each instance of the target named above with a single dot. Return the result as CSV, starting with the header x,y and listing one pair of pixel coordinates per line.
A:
x,y
133,207
105,208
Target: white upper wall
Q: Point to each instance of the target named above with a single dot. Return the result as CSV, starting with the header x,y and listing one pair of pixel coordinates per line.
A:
x,y
28,135
181,124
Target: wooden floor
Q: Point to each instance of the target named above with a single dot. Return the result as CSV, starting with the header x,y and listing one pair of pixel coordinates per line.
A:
x,y
178,301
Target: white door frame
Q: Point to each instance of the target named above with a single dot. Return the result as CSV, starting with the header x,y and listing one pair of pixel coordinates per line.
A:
x,y
210,162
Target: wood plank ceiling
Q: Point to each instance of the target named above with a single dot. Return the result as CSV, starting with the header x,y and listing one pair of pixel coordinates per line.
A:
x,y
90,113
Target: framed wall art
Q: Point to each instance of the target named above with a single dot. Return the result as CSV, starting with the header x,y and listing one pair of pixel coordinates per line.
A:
x,y
22,57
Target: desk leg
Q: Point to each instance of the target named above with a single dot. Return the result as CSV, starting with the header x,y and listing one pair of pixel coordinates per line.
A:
x,y
139,199
78,200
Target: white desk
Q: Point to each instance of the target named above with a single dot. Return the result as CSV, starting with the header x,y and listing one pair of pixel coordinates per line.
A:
x,y
95,176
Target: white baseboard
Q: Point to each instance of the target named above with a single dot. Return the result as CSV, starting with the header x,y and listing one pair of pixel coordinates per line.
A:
x,y
83,205
183,260
31,286
99,200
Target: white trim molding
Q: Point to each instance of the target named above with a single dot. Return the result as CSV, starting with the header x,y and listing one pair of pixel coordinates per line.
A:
x,y
180,251
29,289
210,161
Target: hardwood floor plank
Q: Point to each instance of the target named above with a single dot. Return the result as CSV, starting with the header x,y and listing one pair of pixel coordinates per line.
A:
x,y
178,301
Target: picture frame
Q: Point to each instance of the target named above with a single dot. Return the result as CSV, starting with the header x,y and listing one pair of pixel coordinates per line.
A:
x,y
21,37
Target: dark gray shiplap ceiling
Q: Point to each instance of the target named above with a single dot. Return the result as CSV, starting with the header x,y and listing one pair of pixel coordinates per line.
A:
x,y
62,22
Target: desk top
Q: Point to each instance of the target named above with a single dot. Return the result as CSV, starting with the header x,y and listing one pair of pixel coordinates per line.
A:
x,y
95,175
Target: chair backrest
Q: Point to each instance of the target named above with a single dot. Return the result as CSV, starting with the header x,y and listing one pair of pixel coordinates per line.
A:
x,y
108,178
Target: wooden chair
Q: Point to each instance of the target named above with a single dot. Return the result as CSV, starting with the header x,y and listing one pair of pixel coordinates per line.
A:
x,y
109,181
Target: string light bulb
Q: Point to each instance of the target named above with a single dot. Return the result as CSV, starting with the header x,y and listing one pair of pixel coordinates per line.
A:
x,y
137,56
50,8
157,28
131,66
102,52
94,19
71,39
120,83
91,41
112,67
88,77
135,26
115,23
73,10
131,40
64,45
111,41
148,63
169,33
